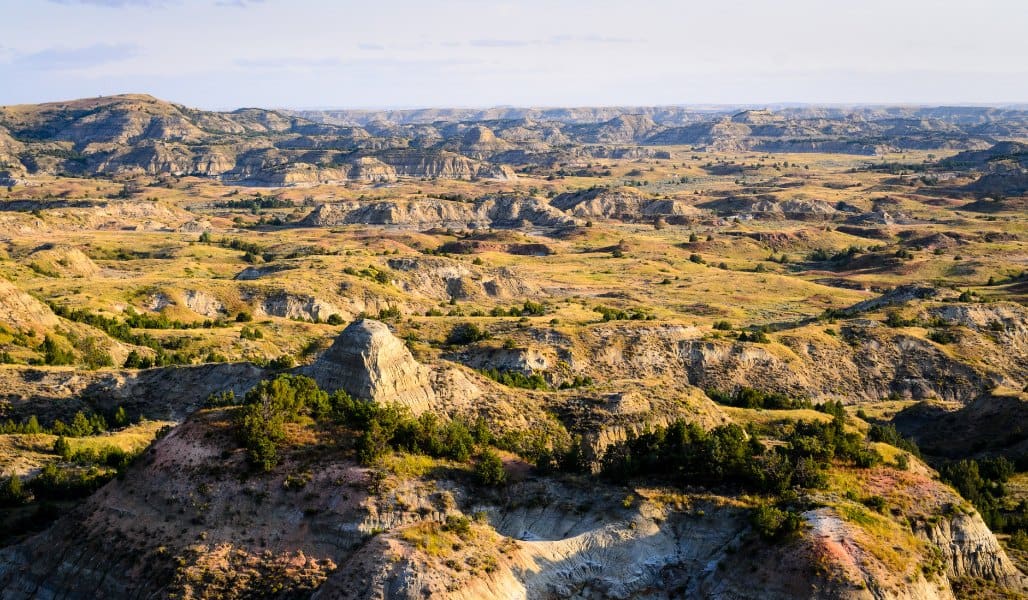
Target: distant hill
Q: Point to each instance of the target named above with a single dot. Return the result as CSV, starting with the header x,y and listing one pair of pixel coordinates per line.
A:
x,y
140,134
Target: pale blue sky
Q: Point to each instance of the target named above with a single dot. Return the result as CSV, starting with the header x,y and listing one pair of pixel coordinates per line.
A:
x,y
407,53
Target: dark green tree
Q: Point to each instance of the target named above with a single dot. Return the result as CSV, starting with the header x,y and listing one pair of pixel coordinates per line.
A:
x,y
489,469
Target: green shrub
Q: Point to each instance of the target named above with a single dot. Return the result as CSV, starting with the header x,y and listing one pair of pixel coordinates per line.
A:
x,y
372,444
1019,541
876,503
268,406
458,524
62,448
534,381
12,493
774,523
489,469
390,312
466,333
55,354
942,336
281,363
888,434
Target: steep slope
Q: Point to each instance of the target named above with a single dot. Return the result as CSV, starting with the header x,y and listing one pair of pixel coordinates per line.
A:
x,y
21,312
186,520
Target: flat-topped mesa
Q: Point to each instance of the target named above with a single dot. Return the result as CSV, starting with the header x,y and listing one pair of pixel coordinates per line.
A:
x,y
367,361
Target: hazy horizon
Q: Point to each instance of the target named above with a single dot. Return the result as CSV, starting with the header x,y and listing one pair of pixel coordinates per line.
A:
x,y
401,55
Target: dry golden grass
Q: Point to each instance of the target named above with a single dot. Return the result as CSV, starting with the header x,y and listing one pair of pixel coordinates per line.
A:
x,y
24,453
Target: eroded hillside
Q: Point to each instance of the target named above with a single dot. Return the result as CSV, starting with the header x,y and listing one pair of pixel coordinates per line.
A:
x,y
527,354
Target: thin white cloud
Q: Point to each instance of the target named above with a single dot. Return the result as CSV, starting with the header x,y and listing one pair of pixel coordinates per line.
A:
x,y
117,3
503,43
294,63
557,40
237,3
64,58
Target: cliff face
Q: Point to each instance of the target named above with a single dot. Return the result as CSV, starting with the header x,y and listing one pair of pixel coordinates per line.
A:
x,y
441,164
969,549
493,211
876,369
625,204
443,279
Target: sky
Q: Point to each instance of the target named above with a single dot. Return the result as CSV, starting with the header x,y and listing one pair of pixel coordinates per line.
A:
x,y
225,54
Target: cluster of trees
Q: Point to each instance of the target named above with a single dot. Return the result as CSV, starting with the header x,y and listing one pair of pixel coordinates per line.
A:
x,y
983,483
269,406
617,314
252,251
746,397
773,523
255,205
841,256
452,197
463,334
942,336
122,329
682,453
888,434
534,381
729,456
136,360
56,482
110,456
528,309
165,350
261,420
758,336
391,312
54,353
12,491
89,469
391,428
82,425
371,272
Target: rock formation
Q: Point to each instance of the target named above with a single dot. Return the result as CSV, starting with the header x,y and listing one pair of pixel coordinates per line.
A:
x,y
369,362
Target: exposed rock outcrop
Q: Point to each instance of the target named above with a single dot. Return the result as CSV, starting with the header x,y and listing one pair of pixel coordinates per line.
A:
x,y
969,549
371,170
369,362
491,211
290,306
443,279
625,204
